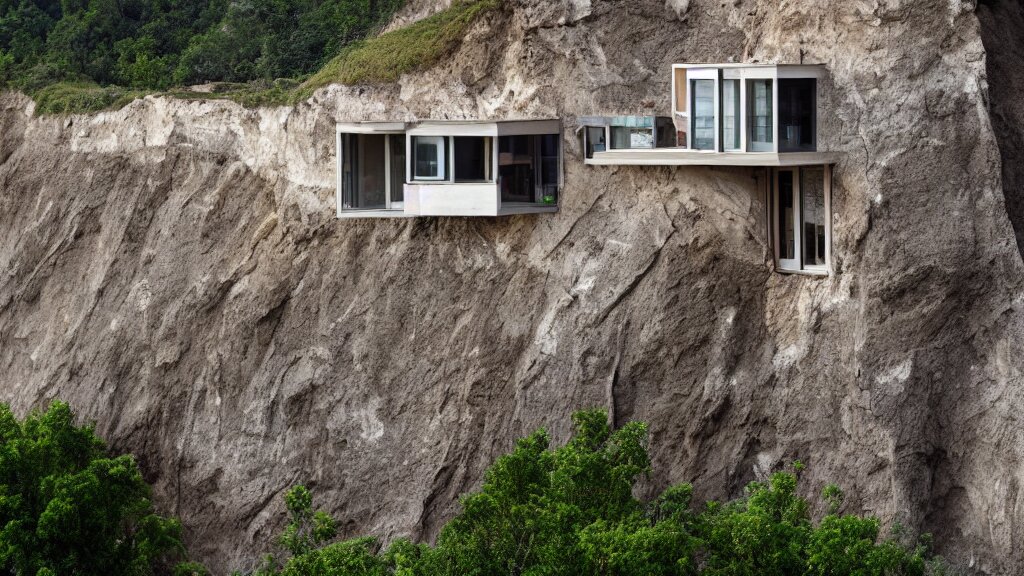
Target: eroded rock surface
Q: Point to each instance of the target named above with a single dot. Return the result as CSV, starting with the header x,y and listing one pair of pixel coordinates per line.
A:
x,y
174,270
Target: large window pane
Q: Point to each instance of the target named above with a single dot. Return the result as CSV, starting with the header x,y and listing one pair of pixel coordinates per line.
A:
x,y
812,206
428,158
364,183
731,114
759,93
787,226
516,168
549,157
703,111
472,159
595,140
797,114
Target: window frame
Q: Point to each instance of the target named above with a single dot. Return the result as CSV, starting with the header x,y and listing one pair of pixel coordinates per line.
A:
x,y
797,265
443,158
693,75
342,145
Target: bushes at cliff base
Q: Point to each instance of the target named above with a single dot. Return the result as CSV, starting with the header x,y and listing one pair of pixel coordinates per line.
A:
x,y
571,511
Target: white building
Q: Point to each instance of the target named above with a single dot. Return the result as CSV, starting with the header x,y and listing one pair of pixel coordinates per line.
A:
x,y
754,115
448,168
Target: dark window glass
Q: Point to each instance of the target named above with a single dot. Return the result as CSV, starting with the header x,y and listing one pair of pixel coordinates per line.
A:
x,y
549,157
429,158
471,159
363,171
397,167
595,140
516,158
797,114
787,232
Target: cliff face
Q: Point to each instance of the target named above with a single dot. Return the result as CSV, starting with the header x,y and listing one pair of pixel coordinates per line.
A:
x,y
175,271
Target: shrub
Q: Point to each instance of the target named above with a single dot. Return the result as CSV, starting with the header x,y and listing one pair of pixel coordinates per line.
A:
x,y
571,511
66,507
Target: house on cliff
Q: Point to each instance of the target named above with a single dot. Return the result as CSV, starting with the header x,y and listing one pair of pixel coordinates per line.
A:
x,y
741,115
751,115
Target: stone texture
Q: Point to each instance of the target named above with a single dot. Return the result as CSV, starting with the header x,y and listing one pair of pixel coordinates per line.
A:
x,y
175,271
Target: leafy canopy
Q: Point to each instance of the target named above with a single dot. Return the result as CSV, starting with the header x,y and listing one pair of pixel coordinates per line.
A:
x,y
570,511
66,507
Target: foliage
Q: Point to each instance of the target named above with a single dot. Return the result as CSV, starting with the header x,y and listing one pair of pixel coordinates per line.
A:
x,y
152,45
418,46
571,511
66,507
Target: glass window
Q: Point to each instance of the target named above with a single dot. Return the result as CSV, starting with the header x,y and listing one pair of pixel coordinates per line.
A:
x,y
801,217
472,159
595,140
731,114
528,168
666,133
428,158
630,132
516,158
787,214
812,208
364,183
759,93
797,114
397,167
703,110
549,160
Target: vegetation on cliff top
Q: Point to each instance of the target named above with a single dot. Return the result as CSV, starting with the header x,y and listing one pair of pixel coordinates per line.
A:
x,y
88,55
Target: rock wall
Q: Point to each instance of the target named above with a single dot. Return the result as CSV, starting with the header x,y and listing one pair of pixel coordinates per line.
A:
x,y
174,270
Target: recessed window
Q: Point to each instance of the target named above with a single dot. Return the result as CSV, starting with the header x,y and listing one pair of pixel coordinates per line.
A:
x,y
428,158
594,137
472,159
703,111
372,171
528,168
801,218
759,96
731,114
797,115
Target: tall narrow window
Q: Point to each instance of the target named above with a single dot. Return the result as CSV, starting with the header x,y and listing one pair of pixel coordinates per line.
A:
x,y
759,94
797,114
364,172
812,208
731,114
801,218
703,109
549,159
472,159
397,168
428,158
787,216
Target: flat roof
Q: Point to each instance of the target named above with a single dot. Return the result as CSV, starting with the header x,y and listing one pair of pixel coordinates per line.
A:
x,y
687,157
502,127
744,65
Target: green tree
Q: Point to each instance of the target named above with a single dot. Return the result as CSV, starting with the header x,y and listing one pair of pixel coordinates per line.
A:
x,y
66,507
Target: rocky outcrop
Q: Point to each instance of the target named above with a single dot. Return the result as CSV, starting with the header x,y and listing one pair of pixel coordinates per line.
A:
x,y
174,270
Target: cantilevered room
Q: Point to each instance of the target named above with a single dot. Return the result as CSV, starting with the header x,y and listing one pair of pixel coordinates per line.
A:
x,y
745,115
448,168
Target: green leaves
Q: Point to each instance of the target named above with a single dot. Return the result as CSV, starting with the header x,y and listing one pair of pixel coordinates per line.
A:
x,y
570,511
67,507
